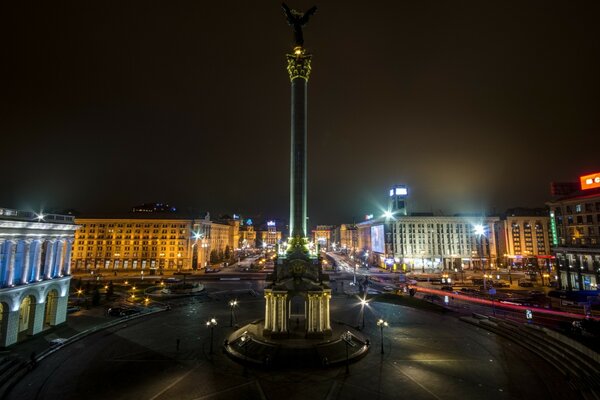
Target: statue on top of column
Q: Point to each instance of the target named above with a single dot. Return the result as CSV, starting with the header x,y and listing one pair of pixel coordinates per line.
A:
x,y
297,20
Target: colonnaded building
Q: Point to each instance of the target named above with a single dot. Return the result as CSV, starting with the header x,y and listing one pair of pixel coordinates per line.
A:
x,y
35,253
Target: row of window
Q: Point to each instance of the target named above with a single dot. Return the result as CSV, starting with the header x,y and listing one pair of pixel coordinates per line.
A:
x,y
135,225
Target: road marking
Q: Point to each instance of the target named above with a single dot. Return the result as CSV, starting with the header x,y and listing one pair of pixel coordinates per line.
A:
x,y
206,396
175,382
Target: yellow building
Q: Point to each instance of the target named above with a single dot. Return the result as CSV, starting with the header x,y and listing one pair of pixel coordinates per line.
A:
x,y
322,236
348,237
150,243
525,239
247,237
271,237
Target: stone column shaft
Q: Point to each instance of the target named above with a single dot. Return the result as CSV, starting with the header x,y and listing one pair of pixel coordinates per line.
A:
x,y
12,254
26,262
66,269
37,259
58,258
299,68
49,261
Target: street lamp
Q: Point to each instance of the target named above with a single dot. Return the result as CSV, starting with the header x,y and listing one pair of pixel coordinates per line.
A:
x,y
244,340
363,303
232,304
479,230
211,324
382,324
347,338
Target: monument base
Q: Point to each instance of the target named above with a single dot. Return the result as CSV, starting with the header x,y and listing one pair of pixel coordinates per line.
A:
x,y
253,345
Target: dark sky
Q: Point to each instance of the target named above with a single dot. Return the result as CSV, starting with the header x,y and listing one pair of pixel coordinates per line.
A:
x,y
474,104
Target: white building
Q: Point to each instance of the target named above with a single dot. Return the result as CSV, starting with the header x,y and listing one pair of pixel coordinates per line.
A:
x,y
35,259
444,242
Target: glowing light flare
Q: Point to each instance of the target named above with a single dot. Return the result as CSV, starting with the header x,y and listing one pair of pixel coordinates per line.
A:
x,y
479,229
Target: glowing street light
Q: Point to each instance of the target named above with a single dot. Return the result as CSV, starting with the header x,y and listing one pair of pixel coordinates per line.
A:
x,y
382,324
232,305
211,323
363,303
479,230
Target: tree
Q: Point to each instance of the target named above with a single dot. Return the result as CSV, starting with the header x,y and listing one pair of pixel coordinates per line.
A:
x,y
227,252
96,296
109,290
214,256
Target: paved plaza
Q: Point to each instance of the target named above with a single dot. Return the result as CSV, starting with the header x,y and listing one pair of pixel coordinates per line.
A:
x,y
427,356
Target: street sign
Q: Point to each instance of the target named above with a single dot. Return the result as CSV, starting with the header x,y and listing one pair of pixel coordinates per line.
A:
x,y
492,291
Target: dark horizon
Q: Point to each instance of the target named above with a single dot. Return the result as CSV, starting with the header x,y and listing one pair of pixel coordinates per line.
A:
x,y
474,106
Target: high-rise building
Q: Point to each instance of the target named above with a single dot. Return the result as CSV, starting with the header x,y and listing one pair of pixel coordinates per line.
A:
x,y
397,199
575,232
348,237
524,238
35,272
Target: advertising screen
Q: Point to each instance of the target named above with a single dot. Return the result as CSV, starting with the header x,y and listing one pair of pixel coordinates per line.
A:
x,y
377,239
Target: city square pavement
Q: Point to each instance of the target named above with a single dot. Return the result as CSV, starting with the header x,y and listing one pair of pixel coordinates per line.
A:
x,y
167,356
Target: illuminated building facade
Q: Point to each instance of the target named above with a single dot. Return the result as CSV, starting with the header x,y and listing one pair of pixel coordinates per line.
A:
x,y
35,272
524,238
247,237
427,242
348,237
575,233
443,242
271,237
322,236
152,242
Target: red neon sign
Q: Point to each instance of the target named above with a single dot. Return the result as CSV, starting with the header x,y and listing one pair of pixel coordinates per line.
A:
x,y
590,181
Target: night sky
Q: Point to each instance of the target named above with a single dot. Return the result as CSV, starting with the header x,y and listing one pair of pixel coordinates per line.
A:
x,y
476,105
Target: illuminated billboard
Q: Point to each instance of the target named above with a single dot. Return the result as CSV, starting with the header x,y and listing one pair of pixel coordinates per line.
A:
x,y
377,239
590,181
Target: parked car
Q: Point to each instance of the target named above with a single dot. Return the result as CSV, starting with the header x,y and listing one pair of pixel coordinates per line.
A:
x,y
447,289
388,288
115,311
432,297
468,290
525,284
72,309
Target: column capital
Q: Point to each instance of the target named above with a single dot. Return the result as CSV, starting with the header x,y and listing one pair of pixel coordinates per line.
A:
x,y
298,64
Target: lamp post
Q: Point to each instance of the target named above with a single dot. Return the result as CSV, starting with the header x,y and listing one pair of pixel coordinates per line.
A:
x,y
382,324
480,231
364,303
211,324
232,305
347,338
244,340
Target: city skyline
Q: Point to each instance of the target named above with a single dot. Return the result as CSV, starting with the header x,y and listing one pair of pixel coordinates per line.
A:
x,y
109,106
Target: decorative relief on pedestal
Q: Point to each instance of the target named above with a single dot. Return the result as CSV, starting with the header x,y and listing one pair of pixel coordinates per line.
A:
x,y
298,64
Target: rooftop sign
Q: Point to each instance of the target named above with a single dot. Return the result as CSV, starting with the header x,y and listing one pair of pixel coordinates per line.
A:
x,y
590,181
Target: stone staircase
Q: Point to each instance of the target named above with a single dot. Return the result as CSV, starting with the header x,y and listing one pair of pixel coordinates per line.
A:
x,y
12,369
579,365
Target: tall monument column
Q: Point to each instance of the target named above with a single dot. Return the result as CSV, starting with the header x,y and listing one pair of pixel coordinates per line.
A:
x,y
298,67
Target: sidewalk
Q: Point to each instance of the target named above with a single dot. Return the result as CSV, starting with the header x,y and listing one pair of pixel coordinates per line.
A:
x,y
76,323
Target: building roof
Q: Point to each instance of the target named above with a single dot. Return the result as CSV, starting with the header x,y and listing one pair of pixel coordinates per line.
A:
x,y
579,195
141,216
